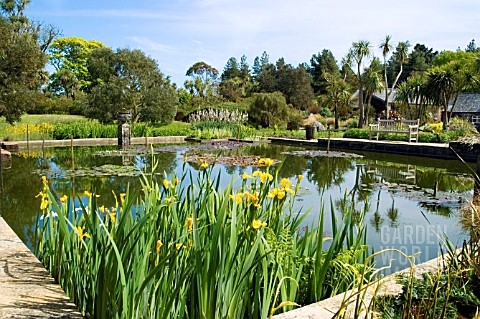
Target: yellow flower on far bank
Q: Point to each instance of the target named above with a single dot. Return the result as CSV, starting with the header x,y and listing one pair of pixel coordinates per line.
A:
x,y
178,246
257,223
81,233
299,177
204,165
64,199
122,197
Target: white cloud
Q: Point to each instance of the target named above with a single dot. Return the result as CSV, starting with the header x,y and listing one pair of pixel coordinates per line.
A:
x,y
147,44
108,13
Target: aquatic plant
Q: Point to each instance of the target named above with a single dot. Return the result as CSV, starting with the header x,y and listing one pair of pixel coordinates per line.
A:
x,y
185,248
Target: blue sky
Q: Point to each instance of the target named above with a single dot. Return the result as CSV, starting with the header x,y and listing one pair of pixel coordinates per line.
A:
x,y
178,33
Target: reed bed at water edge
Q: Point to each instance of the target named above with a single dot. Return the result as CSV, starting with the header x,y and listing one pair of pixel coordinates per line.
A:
x,y
184,247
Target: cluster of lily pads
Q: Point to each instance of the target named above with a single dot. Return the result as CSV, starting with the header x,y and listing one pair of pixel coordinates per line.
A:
x,y
104,170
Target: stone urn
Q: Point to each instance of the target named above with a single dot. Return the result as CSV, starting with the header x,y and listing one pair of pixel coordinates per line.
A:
x,y
124,116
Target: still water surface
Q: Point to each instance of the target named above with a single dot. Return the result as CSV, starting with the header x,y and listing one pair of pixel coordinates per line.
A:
x,y
410,201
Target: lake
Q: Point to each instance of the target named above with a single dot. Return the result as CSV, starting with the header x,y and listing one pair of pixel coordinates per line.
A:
x,y
410,203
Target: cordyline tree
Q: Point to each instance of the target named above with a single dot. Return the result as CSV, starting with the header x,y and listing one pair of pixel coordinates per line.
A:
x,y
128,80
358,52
22,58
372,81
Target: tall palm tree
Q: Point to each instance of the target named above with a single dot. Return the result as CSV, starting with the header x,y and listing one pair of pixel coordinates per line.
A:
x,y
357,53
386,48
372,83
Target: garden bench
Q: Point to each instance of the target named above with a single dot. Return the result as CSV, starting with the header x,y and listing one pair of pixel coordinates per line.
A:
x,y
408,127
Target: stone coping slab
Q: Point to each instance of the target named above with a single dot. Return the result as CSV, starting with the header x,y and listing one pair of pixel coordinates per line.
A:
x,y
433,150
101,141
26,288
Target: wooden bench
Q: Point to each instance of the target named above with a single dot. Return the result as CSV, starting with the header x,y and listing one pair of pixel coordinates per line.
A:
x,y
408,127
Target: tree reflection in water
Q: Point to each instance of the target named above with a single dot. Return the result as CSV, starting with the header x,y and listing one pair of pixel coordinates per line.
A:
x,y
365,179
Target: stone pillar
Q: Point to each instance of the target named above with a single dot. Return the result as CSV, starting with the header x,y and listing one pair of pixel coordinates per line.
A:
x,y
124,134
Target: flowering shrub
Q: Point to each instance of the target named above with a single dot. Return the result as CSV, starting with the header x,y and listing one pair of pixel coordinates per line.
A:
x,y
212,115
34,131
434,127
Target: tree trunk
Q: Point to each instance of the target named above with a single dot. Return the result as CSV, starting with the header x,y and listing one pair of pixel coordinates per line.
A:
x,y
393,87
444,116
453,106
387,108
367,108
336,114
360,104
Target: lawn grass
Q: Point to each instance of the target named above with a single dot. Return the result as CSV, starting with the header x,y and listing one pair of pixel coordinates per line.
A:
x,y
45,118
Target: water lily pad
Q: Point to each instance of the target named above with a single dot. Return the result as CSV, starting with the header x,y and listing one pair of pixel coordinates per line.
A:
x,y
104,170
320,153
248,160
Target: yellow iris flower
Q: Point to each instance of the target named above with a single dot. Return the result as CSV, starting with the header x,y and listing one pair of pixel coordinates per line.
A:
x,y
245,176
158,246
257,223
81,233
166,183
285,182
265,161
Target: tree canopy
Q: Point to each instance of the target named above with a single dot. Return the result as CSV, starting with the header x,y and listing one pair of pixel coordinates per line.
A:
x,y
21,60
128,80
69,57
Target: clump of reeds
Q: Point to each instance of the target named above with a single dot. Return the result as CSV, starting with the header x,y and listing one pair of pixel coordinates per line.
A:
x,y
186,248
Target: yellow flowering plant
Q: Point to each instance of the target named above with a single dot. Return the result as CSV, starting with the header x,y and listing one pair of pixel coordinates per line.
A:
x,y
172,244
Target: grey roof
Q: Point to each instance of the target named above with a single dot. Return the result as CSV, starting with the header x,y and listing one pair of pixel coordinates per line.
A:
x,y
381,95
466,103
